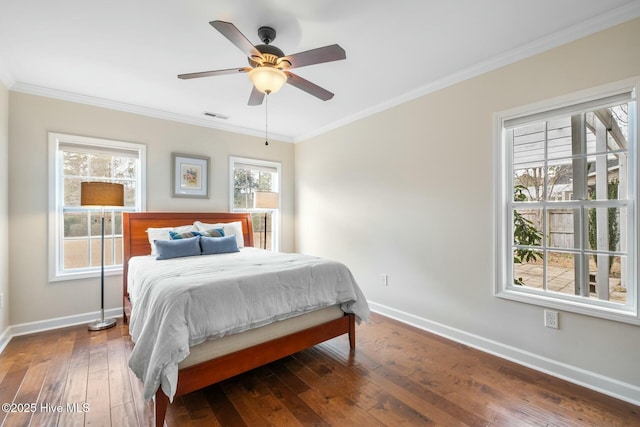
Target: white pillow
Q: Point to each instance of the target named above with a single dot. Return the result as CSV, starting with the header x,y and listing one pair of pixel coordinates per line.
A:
x,y
162,233
230,228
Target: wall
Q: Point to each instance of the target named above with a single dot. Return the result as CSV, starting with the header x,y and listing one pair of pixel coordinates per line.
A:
x,y
4,209
409,192
32,297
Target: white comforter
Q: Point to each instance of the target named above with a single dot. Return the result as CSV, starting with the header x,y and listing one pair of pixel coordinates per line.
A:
x,y
181,302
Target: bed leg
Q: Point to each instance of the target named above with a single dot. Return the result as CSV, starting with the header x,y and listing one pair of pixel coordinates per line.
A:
x,y
126,309
352,331
162,402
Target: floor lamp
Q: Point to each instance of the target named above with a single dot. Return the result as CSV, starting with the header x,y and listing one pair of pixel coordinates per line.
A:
x,y
101,194
265,200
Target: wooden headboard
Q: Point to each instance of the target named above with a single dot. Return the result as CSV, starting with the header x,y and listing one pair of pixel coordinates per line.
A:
x,y
135,225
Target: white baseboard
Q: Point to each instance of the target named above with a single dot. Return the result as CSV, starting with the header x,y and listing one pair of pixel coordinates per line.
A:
x,y
59,322
600,383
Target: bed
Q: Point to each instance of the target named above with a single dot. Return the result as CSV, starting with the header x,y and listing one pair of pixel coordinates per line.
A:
x,y
214,360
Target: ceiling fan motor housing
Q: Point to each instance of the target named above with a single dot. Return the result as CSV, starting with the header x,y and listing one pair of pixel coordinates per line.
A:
x,y
270,54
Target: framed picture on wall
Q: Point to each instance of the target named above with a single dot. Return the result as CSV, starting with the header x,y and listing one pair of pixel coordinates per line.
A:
x,y
190,176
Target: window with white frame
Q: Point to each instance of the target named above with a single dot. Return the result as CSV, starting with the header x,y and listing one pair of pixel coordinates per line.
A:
x,y
255,188
75,231
567,215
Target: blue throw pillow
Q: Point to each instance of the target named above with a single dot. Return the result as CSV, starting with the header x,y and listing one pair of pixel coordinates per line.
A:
x,y
218,245
178,248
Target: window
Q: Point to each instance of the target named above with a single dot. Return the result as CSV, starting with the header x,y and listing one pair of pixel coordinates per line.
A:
x,y
567,215
75,231
255,188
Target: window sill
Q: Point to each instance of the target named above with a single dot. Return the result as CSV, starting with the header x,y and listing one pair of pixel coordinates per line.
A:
x,y
625,314
65,277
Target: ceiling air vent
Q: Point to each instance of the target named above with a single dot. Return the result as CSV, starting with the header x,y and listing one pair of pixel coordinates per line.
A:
x,y
216,115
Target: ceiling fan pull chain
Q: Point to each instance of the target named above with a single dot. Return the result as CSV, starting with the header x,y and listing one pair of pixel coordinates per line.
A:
x,y
266,119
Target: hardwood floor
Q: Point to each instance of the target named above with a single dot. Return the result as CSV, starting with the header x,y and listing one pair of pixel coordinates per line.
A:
x,y
398,376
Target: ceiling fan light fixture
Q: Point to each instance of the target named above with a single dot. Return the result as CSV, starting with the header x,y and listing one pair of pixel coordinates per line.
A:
x,y
267,80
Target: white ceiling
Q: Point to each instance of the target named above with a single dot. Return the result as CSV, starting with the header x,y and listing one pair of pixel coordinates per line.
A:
x,y
126,54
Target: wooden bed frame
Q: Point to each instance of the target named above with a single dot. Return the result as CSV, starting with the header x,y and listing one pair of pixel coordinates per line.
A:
x,y
136,243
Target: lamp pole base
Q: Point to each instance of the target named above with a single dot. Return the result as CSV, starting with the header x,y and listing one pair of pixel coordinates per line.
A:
x,y
99,325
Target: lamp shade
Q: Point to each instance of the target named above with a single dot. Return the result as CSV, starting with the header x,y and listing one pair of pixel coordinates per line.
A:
x,y
265,200
267,79
101,194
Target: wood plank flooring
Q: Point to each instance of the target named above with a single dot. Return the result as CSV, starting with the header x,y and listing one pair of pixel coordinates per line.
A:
x,y
398,375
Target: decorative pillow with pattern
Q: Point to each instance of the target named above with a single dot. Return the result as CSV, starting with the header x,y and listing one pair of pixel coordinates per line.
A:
x,y
174,235
215,232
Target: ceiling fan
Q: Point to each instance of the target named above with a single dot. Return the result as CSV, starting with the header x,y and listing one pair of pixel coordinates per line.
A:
x,y
269,65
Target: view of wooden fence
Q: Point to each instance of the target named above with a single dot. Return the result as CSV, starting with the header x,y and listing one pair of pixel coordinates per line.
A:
x,y
560,224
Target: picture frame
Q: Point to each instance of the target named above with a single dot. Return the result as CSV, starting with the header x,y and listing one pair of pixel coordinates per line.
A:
x,y
189,176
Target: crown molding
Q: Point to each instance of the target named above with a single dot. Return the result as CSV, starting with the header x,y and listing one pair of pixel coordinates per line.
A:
x,y
137,109
567,35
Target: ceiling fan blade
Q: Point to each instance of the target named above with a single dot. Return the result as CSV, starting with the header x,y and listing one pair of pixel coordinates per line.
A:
x,y
315,56
213,73
256,97
307,86
234,35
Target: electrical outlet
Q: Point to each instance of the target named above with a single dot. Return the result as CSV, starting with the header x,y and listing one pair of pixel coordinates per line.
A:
x,y
551,319
384,280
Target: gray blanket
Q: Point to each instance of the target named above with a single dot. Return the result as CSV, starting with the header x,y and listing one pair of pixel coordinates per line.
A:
x,y
181,302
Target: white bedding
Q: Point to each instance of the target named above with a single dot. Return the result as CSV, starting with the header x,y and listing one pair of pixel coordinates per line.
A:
x,y
181,302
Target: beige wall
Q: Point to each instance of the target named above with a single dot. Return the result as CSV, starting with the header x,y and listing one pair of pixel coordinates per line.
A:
x,y
4,207
409,192
33,298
